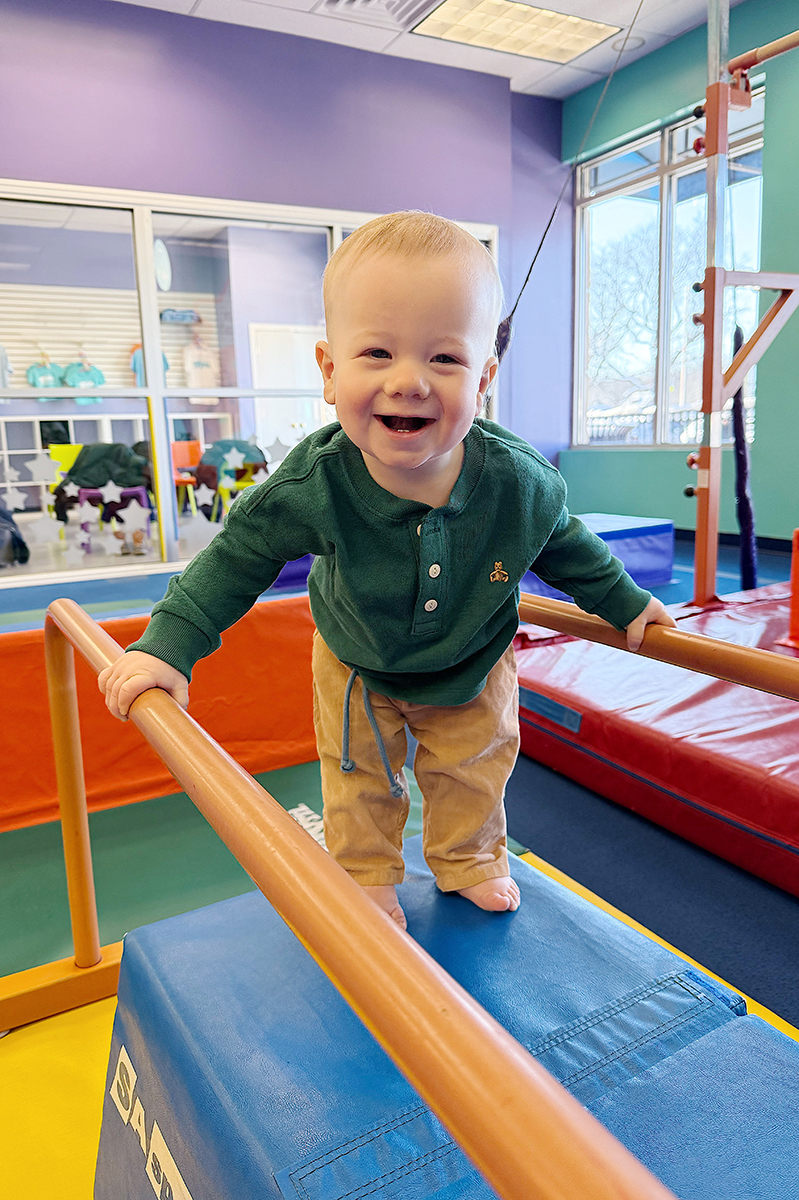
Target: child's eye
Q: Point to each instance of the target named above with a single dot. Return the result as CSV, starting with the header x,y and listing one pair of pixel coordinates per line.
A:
x,y
444,358
376,352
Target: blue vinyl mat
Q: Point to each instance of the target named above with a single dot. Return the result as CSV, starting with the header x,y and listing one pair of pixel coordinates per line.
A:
x,y
237,1070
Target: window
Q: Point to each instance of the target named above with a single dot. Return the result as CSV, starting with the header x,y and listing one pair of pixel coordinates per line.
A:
x,y
165,340
641,247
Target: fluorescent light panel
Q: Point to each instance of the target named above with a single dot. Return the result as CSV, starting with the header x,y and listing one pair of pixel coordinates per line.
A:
x,y
515,29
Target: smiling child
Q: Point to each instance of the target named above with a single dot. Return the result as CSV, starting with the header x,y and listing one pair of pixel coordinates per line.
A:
x,y
423,520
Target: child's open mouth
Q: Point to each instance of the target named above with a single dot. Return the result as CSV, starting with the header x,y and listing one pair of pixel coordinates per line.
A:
x,y
406,424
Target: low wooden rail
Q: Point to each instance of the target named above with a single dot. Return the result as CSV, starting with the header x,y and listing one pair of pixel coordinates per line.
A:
x,y
524,1132
761,669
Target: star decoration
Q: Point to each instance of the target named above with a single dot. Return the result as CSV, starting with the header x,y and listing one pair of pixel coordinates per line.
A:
x,y
88,513
71,489
12,474
44,529
135,517
234,459
14,499
204,495
197,533
111,494
43,467
73,557
260,476
277,451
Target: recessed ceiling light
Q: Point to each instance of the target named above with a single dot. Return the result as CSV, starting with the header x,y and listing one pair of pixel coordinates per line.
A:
x,y
515,29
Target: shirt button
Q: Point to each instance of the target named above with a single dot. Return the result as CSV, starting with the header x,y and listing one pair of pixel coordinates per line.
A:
x,y
434,571
419,530
430,605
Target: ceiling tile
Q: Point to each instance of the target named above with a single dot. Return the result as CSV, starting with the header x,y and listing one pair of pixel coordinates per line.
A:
x,y
174,6
290,20
602,58
565,80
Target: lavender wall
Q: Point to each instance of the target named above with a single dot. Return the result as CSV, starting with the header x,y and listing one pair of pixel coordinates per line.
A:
x,y
274,279
115,95
120,96
540,357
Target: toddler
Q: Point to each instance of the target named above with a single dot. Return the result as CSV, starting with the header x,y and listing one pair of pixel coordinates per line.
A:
x,y
423,520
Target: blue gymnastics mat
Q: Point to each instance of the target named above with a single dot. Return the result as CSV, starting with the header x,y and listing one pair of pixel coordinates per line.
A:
x,y
237,1071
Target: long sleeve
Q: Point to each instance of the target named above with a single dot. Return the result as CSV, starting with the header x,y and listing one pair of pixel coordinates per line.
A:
x,y
215,590
579,563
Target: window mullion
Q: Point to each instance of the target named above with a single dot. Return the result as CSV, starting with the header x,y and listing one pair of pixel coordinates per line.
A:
x,y
579,428
662,374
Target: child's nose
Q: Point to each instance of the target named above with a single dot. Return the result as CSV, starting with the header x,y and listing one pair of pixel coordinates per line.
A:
x,y
407,379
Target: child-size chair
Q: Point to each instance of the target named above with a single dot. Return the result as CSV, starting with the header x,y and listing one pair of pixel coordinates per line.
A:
x,y
185,456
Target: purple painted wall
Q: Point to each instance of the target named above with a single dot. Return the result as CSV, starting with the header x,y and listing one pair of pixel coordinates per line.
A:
x,y
274,279
114,95
120,96
540,356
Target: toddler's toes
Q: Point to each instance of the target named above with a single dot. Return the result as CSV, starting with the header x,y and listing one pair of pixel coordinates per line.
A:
x,y
385,895
494,895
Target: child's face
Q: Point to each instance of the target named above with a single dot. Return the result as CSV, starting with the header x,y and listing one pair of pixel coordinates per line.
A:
x,y
407,363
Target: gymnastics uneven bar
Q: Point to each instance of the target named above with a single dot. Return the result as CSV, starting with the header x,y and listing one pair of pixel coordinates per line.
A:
x,y
525,1133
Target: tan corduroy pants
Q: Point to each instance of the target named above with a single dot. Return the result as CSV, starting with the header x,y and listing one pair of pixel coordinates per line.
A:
x,y
465,755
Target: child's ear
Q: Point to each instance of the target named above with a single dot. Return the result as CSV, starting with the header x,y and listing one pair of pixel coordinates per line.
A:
x,y
326,366
486,379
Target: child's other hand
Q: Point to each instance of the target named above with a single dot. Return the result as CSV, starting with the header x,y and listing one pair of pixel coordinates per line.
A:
x,y
653,614
135,673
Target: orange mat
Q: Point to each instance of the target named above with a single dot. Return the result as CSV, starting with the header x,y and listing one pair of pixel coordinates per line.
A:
x,y
254,696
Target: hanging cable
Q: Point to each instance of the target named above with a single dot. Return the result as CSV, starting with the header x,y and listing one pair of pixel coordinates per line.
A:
x,y
505,329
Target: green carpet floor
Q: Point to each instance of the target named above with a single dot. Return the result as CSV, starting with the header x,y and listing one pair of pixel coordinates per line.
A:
x,y
151,860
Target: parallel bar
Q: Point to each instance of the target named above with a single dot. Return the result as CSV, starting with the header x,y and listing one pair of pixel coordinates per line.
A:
x,y
57,987
744,62
524,1132
761,669
63,697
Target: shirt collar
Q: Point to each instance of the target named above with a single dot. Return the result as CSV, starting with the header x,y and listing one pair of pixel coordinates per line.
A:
x,y
395,507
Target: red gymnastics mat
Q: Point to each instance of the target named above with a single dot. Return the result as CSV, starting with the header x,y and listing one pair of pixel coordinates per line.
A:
x,y
714,762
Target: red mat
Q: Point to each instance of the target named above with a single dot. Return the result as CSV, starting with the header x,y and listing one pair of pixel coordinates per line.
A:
x,y
254,696
714,762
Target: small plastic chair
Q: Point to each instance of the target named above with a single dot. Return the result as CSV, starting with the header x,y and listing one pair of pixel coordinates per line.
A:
x,y
185,456
63,455
223,490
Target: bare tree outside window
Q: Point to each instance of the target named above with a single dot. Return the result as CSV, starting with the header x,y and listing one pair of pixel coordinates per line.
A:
x,y
640,371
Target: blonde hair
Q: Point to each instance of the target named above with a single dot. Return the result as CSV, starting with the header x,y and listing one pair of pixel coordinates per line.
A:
x,y
413,234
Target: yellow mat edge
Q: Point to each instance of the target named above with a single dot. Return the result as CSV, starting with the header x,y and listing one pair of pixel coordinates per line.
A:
x,y
752,1005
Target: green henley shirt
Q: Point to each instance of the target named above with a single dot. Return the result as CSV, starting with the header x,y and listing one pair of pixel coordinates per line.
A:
x,y
422,601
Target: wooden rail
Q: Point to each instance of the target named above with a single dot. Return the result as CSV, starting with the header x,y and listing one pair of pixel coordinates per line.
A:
x,y
751,58
525,1133
761,669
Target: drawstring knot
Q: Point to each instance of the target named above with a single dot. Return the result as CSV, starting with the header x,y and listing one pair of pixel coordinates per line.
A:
x,y
394,786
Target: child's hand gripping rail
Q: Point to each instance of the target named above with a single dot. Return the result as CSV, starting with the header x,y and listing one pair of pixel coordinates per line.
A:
x,y
761,669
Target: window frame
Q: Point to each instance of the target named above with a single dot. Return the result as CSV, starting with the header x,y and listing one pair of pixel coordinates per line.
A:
x,y
142,206
665,174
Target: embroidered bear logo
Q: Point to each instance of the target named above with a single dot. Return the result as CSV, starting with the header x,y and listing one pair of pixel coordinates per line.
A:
x,y
498,575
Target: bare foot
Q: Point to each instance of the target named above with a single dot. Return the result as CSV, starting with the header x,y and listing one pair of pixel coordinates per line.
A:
x,y
385,895
494,895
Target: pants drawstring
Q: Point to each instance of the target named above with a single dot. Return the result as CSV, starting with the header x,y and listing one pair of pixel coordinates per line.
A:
x,y
346,762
